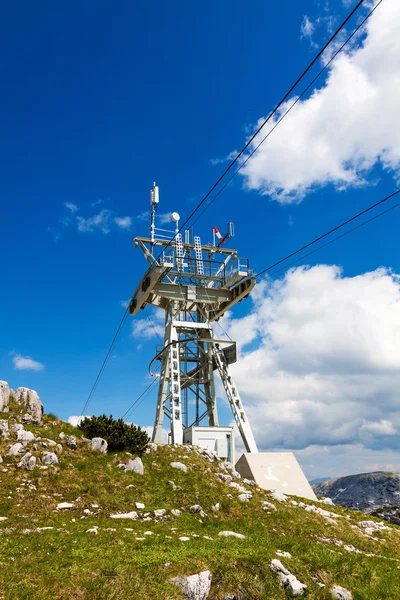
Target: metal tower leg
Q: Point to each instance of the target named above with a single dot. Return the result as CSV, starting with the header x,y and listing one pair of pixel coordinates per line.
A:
x,y
234,400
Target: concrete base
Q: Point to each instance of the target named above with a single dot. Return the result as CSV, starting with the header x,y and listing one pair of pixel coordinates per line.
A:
x,y
278,471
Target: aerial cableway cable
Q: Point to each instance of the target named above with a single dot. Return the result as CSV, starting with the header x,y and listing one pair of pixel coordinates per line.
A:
x,y
235,160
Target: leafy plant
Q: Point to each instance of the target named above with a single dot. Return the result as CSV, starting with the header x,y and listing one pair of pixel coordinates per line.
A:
x,y
117,433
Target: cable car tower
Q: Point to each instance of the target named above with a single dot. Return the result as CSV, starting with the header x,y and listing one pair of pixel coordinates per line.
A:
x,y
194,285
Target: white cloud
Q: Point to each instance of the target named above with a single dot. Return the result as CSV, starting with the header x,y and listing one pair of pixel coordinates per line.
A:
x,y
99,222
146,329
345,128
124,303
307,27
71,206
75,420
123,222
26,363
164,433
320,361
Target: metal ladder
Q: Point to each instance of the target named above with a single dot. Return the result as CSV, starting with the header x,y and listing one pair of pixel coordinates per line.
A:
x,y
199,255
179,252
234,399
175,394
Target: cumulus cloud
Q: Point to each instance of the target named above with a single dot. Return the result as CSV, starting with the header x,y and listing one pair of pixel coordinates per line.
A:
x,y
319,360
99,222
26,363
123,222
75,420
149,328
345,128
71,207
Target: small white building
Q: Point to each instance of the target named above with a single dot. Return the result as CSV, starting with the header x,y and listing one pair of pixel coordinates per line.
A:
x,y
218,439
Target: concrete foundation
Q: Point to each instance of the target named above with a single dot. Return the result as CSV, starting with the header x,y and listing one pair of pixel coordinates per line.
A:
x,y
278,471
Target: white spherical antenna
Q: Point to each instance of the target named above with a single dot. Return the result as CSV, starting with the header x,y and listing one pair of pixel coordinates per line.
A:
x,y
175,217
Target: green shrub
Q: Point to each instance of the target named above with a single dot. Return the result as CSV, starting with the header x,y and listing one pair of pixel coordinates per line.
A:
x,y
117,433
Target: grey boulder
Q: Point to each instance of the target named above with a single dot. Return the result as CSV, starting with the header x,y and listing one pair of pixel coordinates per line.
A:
x,y
70,440
49,458
28,462
30,400
99,445
4,396
25,436
178,465
3,428
15,449
135,465
195,587
340,593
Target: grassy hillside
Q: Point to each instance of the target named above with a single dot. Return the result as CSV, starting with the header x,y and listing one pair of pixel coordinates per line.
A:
x,y
49,554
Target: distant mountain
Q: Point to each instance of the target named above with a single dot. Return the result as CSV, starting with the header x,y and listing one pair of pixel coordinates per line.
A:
x,y
376,493
320,480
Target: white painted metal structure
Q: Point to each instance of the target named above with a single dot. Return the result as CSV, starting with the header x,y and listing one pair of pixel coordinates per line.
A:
x,y
195,285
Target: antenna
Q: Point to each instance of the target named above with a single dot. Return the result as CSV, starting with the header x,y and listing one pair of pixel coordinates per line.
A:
x,y
154,200
175,219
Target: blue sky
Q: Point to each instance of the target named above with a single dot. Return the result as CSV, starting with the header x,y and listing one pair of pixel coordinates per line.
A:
x,y
100,99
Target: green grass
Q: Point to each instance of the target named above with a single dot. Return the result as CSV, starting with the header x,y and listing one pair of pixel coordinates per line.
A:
x,y
67,563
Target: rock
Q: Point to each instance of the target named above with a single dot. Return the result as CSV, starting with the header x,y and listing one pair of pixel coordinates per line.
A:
x,y
15,449
327,501
195,587
135,465
31,401
269,505
25,436
288,580
93,530
1,459
293,585
245,497
179,465
27,462
216,507
3,428
99,445
232,534
139,505
51,442
196,508
161,512
277,567
59,448
184,538
4,396
15,427
278,496
61,435
151,448
130,515
176,512
64,505
49,458
70,440
283,554
340,593
225,478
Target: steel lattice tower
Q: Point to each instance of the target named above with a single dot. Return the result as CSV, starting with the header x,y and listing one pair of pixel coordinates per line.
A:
x,y
195,285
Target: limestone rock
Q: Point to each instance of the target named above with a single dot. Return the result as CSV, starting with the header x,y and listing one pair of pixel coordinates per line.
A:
x,y
31,401
27,462
70,440
232,534
61,435
3,428
139,505
176,512
130,515
49,458
1,458
293,586
135,465
63,505
195,587
160,512
340,593
4,396
15,449
99,445
178,465
25,436
15,427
